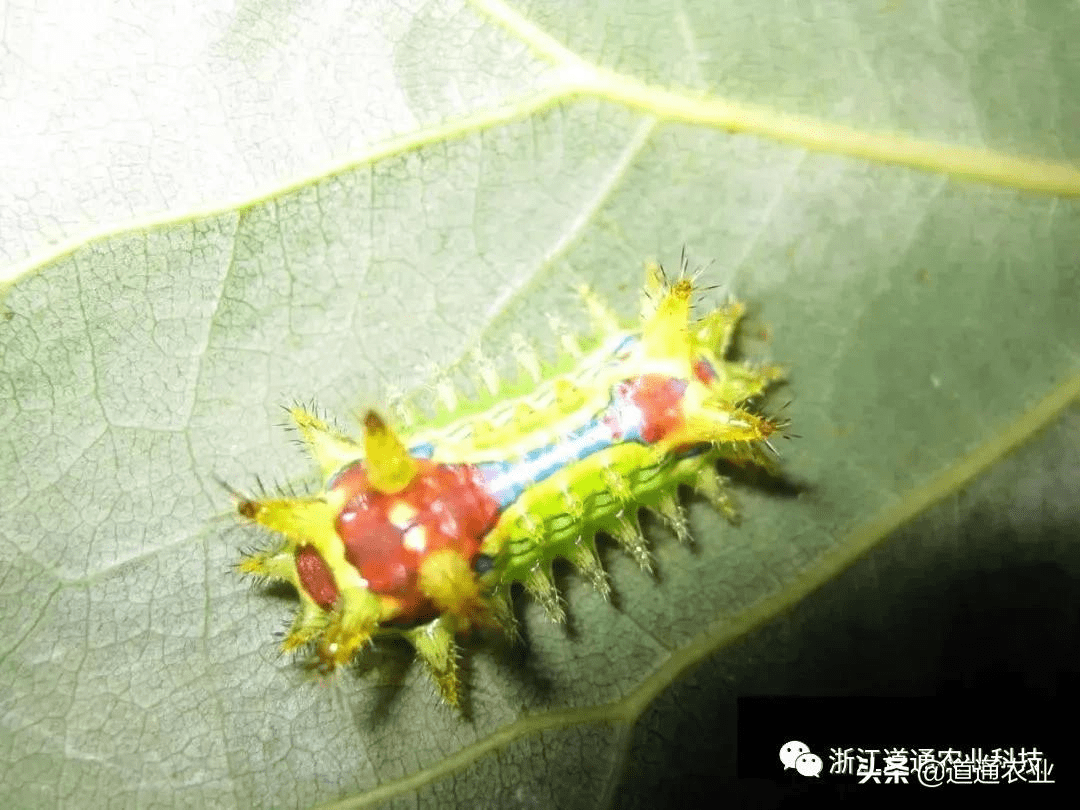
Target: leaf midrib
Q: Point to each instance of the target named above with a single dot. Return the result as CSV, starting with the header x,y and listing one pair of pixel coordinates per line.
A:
x,y
576,78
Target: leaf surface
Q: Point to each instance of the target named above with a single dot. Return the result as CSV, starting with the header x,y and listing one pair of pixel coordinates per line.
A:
x,y
219,214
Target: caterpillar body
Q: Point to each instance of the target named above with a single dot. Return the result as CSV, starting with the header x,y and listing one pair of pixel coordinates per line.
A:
x,y
423,535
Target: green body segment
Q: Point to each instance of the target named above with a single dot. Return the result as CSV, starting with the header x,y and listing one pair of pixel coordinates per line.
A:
x,y
561,516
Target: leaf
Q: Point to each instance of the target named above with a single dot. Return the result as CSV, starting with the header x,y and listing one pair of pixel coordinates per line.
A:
x,y
206,217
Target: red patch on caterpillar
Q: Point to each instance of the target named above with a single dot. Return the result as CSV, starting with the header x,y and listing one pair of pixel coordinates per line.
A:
x,y
659,399
315,577
704,371
388,536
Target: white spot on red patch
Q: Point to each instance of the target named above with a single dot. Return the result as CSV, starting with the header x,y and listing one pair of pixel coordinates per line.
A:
x,y
415,539
402,514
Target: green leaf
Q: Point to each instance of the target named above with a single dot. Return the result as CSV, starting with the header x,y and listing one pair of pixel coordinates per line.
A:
x,y
206,217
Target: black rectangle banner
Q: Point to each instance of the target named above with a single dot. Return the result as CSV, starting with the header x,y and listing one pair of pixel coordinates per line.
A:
x,y
914,749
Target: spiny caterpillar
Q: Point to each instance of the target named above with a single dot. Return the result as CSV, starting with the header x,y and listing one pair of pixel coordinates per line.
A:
x,y
422,536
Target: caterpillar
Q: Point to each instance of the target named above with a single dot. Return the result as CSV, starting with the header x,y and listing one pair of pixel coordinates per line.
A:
x,y
422,535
